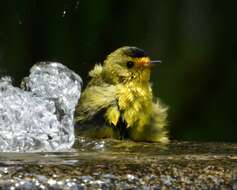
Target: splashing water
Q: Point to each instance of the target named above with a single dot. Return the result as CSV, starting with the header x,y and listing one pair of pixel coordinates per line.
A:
x,y
40,117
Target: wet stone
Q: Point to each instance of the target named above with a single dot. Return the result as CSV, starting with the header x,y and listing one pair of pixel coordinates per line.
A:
x,y
126,165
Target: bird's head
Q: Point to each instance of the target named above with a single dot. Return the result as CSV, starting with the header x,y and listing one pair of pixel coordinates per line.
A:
x,y
128,64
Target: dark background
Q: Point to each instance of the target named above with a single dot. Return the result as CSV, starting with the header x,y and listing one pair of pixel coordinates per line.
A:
x,y
194,39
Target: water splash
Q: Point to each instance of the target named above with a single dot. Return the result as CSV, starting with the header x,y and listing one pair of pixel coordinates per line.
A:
x,y
40,117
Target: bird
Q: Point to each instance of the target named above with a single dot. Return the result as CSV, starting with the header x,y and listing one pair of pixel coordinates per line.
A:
x,y
118,101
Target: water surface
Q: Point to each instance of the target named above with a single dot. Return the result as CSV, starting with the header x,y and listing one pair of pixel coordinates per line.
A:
x,y
114,164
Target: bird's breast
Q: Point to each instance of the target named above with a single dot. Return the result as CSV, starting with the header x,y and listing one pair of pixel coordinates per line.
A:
x,y
135,103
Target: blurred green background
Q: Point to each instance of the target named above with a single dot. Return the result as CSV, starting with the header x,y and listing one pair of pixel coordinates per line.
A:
x,y
194,39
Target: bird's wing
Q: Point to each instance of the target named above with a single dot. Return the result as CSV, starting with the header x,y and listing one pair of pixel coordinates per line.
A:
x,y
155,130
94,100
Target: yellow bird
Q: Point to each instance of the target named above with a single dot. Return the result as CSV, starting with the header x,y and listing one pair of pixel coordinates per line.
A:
x,y
118,101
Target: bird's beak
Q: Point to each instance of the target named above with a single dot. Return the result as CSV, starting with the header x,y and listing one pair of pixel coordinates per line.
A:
x,y
154,62
145,61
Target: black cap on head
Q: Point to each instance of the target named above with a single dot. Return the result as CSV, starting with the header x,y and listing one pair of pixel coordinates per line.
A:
x,y
134,52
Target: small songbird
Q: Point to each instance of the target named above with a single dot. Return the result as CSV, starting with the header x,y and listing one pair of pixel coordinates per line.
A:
x,y
118,101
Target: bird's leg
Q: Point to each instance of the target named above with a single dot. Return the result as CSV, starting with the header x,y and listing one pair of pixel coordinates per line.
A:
x,y
122,126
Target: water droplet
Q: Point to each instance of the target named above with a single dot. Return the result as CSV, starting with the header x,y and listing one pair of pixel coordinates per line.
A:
x,y
64,13
19,20
77,4
52,182
42,186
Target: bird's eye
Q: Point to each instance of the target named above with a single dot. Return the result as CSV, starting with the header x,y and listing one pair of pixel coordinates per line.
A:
x,y
130,64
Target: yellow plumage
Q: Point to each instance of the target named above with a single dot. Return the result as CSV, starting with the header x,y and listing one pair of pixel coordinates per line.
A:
x,y
118,101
